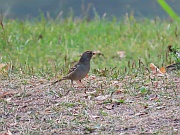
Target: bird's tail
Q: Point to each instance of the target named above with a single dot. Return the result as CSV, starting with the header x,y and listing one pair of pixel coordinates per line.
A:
x,y
64,78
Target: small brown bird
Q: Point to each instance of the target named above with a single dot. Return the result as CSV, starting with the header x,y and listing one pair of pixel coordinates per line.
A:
x,y
80,70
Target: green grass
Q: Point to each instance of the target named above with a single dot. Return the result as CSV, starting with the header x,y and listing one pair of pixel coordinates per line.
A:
x,y
46,46
168,9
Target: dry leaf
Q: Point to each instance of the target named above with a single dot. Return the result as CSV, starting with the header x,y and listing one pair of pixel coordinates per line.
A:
x,y
121,54
153,97
4,94
94,116
42,81
156,70
48,111
8,133
97,52
141,113
116,83
160,107
118,91
92,92
156,84
101,98
8,99
109,106
4,68
92,77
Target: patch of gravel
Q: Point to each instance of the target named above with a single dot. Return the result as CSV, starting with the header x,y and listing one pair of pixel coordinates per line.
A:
x,y
33,106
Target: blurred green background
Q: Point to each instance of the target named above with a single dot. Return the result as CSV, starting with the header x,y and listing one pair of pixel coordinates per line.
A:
x,y
116,8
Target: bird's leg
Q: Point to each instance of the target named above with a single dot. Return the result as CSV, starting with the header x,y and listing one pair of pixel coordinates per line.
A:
x,y
72,85
79,81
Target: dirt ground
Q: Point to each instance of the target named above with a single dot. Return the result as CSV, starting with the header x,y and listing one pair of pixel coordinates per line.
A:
x,y
132,105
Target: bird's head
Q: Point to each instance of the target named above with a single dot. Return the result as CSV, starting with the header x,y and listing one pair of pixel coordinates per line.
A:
x,y
86,56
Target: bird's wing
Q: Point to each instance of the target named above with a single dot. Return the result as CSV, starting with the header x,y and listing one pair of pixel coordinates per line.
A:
x,y
73,68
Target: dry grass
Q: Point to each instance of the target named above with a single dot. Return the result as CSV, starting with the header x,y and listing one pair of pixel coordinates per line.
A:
x,y
129,105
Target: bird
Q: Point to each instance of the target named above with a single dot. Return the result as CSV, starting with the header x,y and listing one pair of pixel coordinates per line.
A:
x,y
80,69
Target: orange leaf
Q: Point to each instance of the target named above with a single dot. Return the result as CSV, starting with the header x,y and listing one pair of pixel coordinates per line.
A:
x,y
163,70
155,70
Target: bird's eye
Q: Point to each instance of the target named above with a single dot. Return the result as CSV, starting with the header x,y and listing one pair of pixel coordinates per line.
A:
x,y
89,52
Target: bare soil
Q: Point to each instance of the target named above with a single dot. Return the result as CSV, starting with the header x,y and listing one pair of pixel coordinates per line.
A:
x,y
133,105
